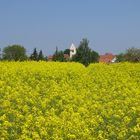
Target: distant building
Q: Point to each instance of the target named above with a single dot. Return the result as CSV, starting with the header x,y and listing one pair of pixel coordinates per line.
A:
x,y
50,57
72,50
107,58
66,56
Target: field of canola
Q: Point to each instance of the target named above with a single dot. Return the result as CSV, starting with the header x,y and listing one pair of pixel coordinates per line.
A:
x,y
66,101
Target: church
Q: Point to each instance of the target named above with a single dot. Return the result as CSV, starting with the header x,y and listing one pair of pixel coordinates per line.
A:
x,y
69,56
72,50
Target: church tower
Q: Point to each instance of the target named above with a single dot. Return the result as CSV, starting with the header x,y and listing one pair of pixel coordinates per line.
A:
x,y
72,50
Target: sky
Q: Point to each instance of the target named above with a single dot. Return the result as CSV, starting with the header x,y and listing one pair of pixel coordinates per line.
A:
x,y
110,25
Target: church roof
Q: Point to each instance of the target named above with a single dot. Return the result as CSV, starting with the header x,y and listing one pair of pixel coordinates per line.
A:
x,y
72,46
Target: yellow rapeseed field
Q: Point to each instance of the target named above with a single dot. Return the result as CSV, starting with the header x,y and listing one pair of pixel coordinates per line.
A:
x,y
67,101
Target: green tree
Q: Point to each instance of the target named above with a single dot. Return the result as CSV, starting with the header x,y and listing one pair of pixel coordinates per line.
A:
x,y
46,58
84,54
40,56
34,55
120,57
67,51
14,52
55,54
132,54
59,56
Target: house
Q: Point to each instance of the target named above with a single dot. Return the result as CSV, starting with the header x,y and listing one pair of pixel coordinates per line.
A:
x,y
50,57
107,58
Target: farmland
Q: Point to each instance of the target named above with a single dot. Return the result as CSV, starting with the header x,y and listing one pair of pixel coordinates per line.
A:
x,y
53,100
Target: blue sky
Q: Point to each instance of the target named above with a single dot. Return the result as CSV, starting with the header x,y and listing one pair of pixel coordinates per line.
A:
x,y
109,25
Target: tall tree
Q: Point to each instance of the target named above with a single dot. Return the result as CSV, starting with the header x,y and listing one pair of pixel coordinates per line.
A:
x,y
40,56
14,52
59,56
120,57
131,55
67,51
55,54
34,55
46,58
84,54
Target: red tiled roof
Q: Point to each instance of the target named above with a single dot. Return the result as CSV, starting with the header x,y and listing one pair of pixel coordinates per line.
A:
x,y
50,57
107,58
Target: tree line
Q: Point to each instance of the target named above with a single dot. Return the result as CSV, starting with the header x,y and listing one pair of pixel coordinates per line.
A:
x,y
130,55
84,54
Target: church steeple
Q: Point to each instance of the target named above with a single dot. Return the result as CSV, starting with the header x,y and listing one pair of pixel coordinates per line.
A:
x,y
72,50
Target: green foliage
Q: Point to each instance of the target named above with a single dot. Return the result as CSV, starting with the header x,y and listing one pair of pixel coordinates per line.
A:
x,y
58,56
84,54
34,55
67,101
46,58
14,52
120,58
67,51
41,56
131,55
